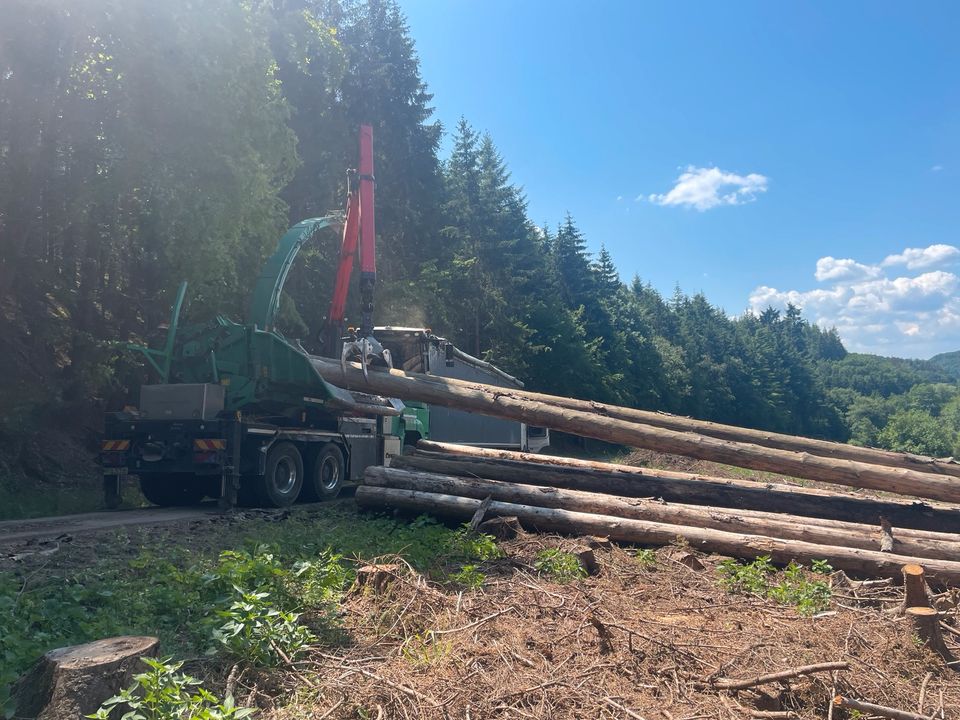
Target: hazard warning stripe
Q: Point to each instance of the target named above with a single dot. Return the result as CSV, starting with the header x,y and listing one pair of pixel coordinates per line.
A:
x,y
209,444
111,445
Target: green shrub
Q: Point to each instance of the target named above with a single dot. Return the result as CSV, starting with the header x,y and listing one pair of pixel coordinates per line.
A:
x,y
559,565
260,633
469,577
646,557
466,544
793,586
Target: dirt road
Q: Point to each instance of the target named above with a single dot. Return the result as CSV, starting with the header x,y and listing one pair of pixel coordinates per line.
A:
x,y
50,528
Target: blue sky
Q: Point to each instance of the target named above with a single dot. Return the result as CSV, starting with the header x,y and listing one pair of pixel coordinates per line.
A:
x,y
758,152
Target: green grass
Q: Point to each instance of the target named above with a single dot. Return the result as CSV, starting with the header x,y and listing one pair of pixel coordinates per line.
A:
x,y
145,582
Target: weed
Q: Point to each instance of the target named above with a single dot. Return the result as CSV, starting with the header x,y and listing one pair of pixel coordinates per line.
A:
x,y
793,586
469,545
747,578
821,567
559,565
469,577
259,633
163,693
424,650
646,557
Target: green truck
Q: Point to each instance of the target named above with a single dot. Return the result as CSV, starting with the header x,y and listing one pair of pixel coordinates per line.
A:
x,y
240,411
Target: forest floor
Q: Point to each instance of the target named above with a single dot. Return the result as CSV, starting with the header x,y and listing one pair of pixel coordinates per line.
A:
x,y
476,629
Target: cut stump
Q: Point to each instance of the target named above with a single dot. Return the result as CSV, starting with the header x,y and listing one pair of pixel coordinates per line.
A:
x,y
914,588
376,578
74,681
924,622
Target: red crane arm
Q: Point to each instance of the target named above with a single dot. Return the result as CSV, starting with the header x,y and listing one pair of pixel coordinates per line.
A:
x,y
368,247
348,250
359,238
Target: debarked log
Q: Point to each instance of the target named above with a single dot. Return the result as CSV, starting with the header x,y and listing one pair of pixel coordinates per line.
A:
x,y
689,488
867,562
791,527
766,438
494,401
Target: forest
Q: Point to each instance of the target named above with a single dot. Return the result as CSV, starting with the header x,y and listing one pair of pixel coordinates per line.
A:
x,y
145,143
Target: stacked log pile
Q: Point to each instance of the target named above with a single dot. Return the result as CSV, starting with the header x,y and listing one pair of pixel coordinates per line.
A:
x,y
419,482
638,505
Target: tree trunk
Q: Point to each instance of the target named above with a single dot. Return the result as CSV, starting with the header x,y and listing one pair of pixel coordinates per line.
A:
x,y
542,410
788,527
867,562
688,488
74,681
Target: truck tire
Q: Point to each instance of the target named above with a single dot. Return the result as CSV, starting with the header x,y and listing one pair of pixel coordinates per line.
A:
x,y
327,473
172,489
282,479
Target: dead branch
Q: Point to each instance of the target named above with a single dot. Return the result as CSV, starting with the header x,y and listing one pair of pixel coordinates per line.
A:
x,y
881,710
727,684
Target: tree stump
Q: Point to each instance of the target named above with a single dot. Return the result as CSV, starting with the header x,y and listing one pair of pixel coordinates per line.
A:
x,y
914,588
599,543
588,561
74,681
376,578
925,624
502,528
685,557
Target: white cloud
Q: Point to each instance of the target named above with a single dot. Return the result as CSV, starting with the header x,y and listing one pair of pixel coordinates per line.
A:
x,y
878,310
831,268
936,168
705,188
916,258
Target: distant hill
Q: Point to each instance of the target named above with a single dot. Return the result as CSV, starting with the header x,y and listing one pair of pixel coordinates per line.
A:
x,y
869,374
948,362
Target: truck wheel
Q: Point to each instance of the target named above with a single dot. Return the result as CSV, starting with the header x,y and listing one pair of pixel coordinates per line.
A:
x,y
172,489
283,478
327,473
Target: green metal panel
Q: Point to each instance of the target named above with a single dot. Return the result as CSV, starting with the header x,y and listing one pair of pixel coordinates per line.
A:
x,y
269,287
260,369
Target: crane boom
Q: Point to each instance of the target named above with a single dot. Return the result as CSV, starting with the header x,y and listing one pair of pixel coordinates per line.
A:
x,y
359,238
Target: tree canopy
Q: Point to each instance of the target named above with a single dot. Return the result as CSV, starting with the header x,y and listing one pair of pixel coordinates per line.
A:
x,y
145,143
